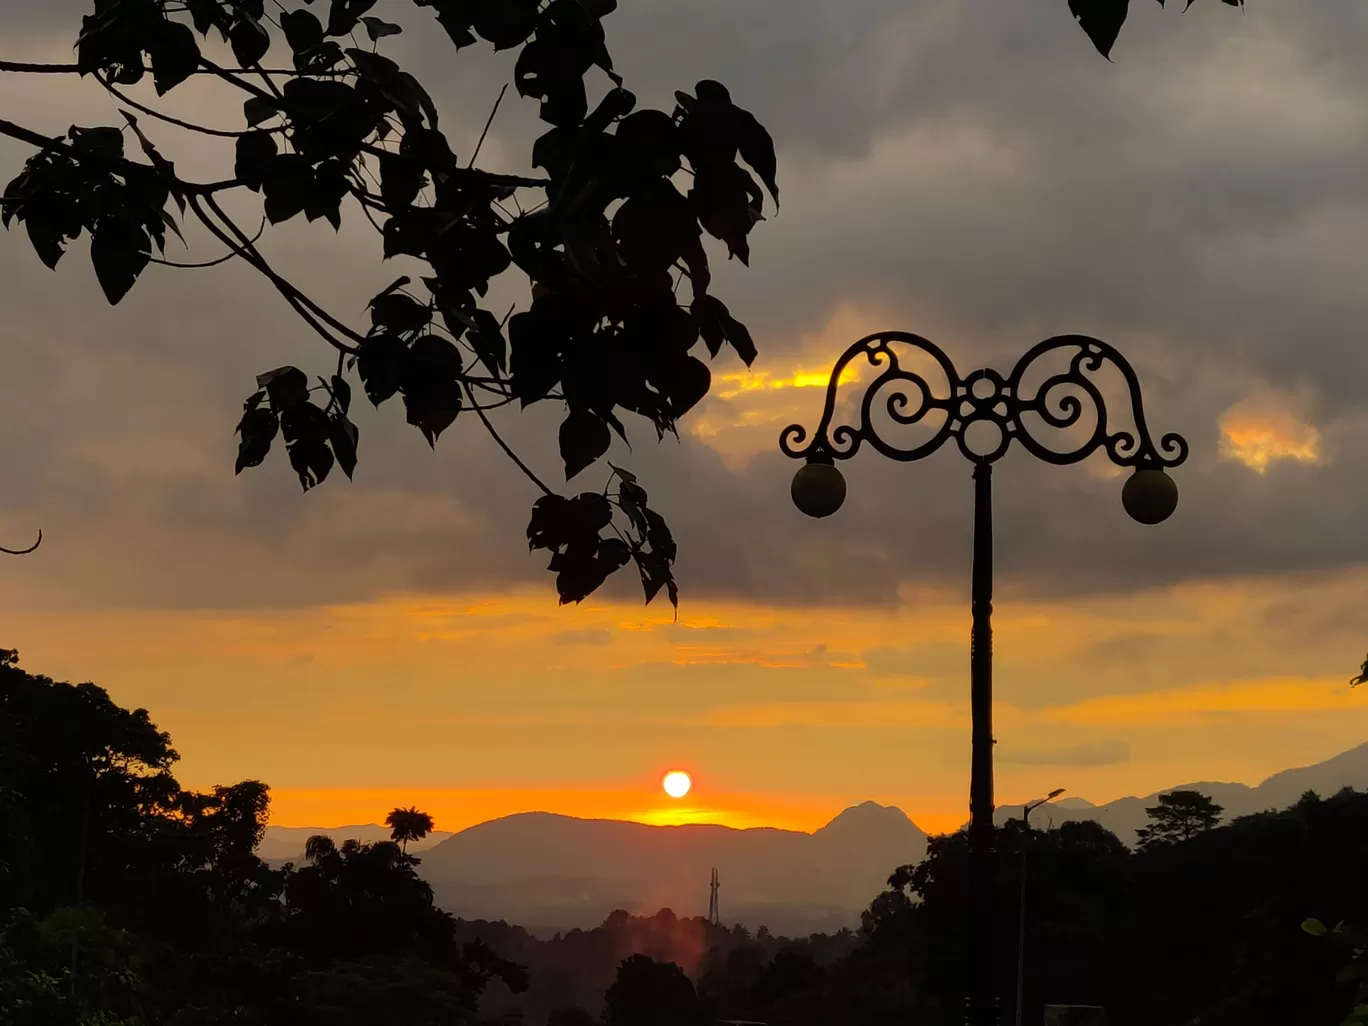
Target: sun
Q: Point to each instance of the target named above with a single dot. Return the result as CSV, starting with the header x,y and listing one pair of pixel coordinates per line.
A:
x,y
676,783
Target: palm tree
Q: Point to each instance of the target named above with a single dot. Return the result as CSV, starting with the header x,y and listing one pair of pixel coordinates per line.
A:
x,y
408,825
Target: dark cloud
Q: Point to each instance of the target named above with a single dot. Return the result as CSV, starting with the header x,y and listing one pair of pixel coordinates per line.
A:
x,y
971,171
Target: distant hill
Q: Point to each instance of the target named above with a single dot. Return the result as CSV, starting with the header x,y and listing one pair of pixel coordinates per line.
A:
x,y
1125,816
286,844
550,872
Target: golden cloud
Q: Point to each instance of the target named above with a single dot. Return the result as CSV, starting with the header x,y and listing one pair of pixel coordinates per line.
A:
x,y
1263,428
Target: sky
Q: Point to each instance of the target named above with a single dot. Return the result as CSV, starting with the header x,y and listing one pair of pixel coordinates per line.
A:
x,y
971,171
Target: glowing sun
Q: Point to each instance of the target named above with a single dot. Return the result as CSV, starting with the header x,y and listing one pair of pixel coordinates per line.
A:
x,y
676,783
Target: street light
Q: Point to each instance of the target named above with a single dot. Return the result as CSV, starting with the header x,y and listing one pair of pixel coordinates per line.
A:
x,y
1026,811
1009,406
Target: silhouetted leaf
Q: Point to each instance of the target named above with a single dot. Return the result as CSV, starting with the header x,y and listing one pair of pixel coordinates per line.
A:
x,y
341,391
486,338
398,313
717,325
249,40
687,384
343,15
119,250
343,436
378,29
286,387
302,30
583,439
288,186
257,430
206,14
174,54
256,152
757,150
534,354
401,179
307,431
258,109
1101,20
431,385
326,193
381,366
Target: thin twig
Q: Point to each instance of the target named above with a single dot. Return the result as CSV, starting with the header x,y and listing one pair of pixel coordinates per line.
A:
x,y
153,112
23,552
25,68
217,260
504,445
281,283
489,121
292,295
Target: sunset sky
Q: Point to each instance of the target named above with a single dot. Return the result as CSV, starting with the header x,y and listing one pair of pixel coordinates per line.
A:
x,y
971,171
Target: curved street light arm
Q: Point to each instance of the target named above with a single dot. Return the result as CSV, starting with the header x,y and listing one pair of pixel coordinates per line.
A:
x,y
909,396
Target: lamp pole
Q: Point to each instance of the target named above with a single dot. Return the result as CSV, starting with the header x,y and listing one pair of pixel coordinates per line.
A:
x,y
946,406
1026,811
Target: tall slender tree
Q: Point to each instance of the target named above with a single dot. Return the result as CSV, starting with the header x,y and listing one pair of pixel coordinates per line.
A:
x,y
408,825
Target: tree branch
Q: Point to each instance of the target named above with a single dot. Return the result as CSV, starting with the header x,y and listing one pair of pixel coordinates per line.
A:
x,y
479,412
217,260
489,121
44,142
24,68
248,253
281,282
153,112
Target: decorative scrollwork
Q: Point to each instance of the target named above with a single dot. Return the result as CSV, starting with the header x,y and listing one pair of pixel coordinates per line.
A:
x,y
910,396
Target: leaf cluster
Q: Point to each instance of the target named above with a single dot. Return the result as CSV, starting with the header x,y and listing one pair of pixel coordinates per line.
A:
x,y
613,250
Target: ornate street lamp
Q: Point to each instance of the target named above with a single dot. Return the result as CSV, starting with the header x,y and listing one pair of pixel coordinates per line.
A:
x,y
1004,410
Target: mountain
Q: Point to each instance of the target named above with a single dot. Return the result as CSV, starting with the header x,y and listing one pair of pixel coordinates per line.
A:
x,y
286,844
1125,816
549,872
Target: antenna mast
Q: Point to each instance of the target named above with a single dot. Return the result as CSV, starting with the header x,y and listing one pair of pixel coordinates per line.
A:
x,y
713,916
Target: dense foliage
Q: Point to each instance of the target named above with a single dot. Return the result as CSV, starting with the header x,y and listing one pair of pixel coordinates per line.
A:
x,y
609,238
127,899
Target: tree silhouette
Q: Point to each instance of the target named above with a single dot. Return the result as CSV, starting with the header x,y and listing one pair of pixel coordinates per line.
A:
x,y
651,993
1179,816
408,825
610,246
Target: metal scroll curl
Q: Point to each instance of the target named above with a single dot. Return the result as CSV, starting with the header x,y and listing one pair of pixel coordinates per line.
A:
x,y
908,396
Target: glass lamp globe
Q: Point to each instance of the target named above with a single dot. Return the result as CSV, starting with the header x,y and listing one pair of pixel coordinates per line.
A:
x,y
818,488
1149,495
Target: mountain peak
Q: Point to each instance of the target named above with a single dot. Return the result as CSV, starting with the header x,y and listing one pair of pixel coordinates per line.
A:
x,y
868,816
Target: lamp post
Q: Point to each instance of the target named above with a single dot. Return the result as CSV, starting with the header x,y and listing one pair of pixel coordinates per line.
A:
x,y
1009,409
1026,811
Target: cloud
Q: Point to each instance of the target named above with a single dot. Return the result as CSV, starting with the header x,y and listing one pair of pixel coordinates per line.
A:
x,y
1099,753
973,173
1261,429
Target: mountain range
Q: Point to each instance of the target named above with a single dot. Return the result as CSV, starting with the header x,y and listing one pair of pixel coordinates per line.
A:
x,y
548,872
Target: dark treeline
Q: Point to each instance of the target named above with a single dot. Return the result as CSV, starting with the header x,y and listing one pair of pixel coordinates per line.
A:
x,y
127,900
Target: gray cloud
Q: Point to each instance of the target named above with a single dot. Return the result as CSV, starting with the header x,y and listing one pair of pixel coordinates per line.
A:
x,y
976,174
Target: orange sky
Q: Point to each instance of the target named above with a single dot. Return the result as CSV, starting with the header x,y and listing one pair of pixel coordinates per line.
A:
x,y
477,706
